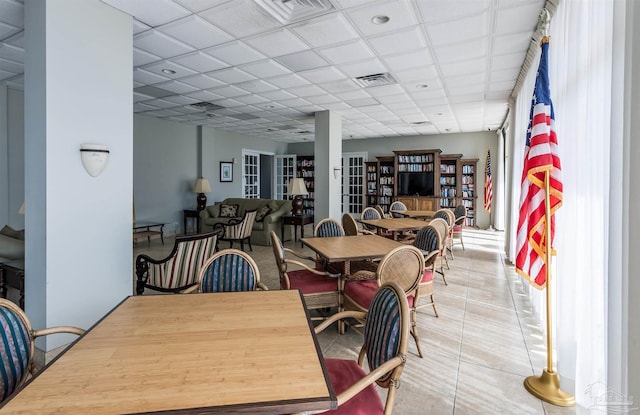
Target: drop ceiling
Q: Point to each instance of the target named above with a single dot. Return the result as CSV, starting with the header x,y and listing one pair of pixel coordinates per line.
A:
x,y
264,67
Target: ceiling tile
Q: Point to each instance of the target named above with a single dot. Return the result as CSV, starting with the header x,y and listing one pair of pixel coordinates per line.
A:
x,y
437,10
139,27
7,30
235,53
228,91
347,52
147,77
277,43
363,68
463,68
476,48
140,57
199,5
400,16
176,87
160,44
288,81
409,60
265,69
460,30
521,18
322,75
200,62
257,86
302,61
277,95
514,42
326,30
306,91
231,76
240,18
398,42
201,81
159,67
195,31
151,12
511,61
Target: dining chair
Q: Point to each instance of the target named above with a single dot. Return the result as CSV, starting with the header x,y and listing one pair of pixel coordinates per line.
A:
x,y
460,213
379,209
449,218
327,228
319,288
178,270
441,226
429,242
17,346
351,228
228,270
370,213
397,205
403,265
238,230
385,345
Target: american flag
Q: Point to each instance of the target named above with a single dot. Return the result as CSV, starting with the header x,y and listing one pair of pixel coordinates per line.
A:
x,y
488,185
540,155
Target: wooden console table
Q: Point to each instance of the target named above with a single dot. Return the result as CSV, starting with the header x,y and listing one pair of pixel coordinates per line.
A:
x,y
191,213
295,221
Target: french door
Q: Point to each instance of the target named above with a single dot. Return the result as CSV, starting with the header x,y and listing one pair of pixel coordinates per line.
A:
x,y
353,182
285,171
250,174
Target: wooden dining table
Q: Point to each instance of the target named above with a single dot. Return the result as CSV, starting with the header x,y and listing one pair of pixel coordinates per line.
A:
x,y
394,225
240,352
417,214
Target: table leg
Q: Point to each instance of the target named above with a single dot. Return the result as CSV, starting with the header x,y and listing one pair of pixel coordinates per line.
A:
x,y
341,283
282,230
301,233
3,286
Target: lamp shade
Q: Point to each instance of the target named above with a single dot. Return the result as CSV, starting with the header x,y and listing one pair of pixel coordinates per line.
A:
x,y
297,187
202,186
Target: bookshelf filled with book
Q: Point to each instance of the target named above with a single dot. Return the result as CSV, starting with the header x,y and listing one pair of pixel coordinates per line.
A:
x,y
449,183
305,169
386,182
468,191
371,168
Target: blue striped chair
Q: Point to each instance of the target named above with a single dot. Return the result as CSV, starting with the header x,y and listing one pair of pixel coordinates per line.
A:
x,y
226,271
460,213
386,332
17,340
397,206
327,228
179,270
441,226
403,265
429,242
447,241
238,230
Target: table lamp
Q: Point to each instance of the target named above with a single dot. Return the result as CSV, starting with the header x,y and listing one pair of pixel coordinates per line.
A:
x,y
202,187
297,189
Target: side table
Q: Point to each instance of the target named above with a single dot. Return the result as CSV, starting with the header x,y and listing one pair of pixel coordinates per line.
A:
x,y
12,273
191,213
295,221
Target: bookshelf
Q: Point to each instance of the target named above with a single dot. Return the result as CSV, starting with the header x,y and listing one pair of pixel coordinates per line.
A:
x,y
306,170
386,182
468,189
371,168
449,180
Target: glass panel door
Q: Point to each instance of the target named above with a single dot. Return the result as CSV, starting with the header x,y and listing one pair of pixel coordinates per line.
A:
x,y
353,179
251,174
285,171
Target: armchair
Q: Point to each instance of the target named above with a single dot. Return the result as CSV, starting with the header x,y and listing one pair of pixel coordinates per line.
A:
x,y
385,348
17,346
449,218
460,213
179,270
351,228
397,205
238,230
429,242
440,225
226,271
319,288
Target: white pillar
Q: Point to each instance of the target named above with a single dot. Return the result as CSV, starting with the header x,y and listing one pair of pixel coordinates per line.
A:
x,y
328,156
78,89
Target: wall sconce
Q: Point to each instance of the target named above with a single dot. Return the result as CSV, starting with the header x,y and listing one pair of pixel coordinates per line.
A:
x,y
336,172
94,158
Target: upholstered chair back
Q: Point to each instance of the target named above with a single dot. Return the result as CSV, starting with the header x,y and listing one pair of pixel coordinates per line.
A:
x,y
229,270
327,228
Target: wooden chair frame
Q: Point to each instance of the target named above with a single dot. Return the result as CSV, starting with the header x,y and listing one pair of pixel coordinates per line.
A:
x,y
441,226
456,235
425,289
243,226
351,228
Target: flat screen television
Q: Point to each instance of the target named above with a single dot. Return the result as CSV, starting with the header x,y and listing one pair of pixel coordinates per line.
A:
x,y
415,184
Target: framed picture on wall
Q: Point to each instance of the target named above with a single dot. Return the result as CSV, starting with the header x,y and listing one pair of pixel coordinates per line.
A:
x,y
226,171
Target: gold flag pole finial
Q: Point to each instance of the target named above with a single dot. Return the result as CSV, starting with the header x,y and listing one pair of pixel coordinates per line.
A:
x,y
547,385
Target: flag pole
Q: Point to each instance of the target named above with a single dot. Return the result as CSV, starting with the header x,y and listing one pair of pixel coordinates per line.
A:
x,y
547,385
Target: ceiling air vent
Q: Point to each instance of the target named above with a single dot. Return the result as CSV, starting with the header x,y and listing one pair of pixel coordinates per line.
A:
x,y
206,106
377,79
289,11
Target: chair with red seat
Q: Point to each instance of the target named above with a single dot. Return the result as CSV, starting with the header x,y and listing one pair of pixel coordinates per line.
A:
x,y
460,213
319,288
429,242
386,332
404,265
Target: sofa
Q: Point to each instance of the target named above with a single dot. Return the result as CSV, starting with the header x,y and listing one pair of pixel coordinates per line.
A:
x,y
271,211
11,243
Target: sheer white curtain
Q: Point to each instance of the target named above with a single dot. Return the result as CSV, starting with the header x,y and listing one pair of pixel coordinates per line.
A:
x,y
580,77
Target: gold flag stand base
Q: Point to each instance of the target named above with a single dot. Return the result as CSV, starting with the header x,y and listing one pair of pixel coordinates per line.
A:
x,y
547,388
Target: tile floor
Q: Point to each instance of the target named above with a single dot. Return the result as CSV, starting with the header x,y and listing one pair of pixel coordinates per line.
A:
x,y
477,353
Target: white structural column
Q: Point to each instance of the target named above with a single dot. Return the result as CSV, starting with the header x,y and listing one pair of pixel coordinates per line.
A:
x,y
328,156
78,84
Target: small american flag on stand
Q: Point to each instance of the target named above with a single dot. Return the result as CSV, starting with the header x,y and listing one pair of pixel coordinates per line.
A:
x,y
488,185
541,155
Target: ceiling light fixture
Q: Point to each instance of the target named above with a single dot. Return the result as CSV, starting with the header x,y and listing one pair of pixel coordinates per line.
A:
x,y
168,71
421,86
380,19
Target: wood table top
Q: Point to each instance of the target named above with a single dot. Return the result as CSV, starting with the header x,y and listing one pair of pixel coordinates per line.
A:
x,y
351,248
395,224
245,352
415,213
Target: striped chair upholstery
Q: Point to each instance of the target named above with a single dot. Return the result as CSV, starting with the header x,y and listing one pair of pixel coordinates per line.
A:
x,y
397,206
386,335
429,242
460,213
440,225
327,228
17,346
229,270
179,270
239,231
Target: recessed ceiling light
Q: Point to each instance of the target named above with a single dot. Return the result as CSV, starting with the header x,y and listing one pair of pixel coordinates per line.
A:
x,y
380,19
439,113
168,71
421,123
269,106
421,86
447,129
